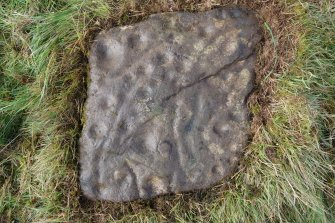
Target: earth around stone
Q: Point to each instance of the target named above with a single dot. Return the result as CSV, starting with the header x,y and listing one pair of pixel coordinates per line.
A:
x,y
166,109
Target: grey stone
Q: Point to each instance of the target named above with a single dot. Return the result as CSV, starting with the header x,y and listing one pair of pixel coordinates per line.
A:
x,y
166,109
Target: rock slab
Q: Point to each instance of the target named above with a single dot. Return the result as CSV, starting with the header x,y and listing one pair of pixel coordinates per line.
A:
x,y
166,109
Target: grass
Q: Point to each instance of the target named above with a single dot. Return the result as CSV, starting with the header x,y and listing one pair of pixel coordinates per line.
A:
x,y
287,173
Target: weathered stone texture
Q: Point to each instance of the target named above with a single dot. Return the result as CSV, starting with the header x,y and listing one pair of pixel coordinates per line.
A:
x,y
166,109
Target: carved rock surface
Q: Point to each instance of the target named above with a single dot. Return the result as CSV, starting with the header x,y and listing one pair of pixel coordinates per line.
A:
x,y
166,109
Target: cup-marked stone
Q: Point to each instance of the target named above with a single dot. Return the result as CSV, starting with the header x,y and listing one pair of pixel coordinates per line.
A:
x,y
166,109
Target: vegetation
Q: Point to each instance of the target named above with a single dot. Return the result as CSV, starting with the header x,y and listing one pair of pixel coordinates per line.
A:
x,y
287,173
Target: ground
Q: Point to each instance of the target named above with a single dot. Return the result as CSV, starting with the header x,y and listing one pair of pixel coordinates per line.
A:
x,y
287,172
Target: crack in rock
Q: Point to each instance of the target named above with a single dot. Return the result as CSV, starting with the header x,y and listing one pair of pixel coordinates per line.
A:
x,y
208,76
